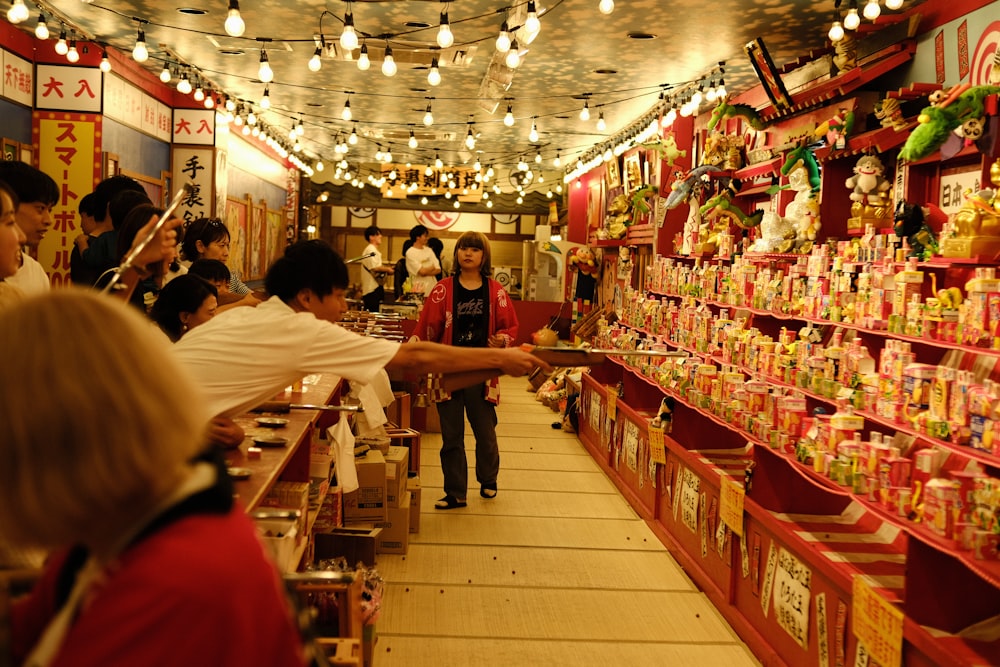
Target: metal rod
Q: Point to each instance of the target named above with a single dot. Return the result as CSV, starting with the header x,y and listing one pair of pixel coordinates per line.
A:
x,y
358,259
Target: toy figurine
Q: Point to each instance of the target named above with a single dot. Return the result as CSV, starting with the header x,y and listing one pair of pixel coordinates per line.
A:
x,y
665,415
954,116
836,129
869,181
911,222
890,114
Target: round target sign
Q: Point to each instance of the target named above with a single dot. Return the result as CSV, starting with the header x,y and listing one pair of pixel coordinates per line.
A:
x,y
437,219
986,55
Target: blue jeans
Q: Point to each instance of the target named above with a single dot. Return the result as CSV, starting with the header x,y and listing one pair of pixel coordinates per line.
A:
x,y
483,418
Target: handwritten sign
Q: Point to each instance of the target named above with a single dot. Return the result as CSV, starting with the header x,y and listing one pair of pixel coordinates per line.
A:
x,y
772,563
612,404
822,634
690,488
792,597
194,166
657,452
877,624
594,411
732,494
18,78
630,445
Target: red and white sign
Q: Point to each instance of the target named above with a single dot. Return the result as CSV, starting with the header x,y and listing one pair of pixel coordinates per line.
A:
x,y
194,166
18,78
63,88
194,126
131,106
437,219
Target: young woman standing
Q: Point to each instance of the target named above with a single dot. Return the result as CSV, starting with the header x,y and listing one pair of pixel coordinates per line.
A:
x,y
469,309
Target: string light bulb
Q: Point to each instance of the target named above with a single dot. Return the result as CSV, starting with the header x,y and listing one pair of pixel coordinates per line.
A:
x,y
265,99
852,20
538,157
444,36
836,31
503,39
18,12
349,38
165,75
388,63
62,48
513,58
364,63
235,26
42,28
346,112
893,4
316,63
264,72
428,116
872,10
209,100
353,139
184,85
140,53
470,139
437,161
105,62
508,118
606,7
531,23
557,160
533,134
434,75
412,143
601,125
585,111
72,54
720,90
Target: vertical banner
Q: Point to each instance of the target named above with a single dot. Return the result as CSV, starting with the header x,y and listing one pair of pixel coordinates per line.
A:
x,y
194,165
963,49
69,151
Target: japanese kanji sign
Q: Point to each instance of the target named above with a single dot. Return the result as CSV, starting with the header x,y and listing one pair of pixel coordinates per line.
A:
x,y
64,88
194,126
18,78
877,624
194,166
131,106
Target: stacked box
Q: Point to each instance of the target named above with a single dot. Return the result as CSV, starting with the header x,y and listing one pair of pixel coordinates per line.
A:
x,y
395,535
407,437
397,462
330,513
413,486
355,544
367,503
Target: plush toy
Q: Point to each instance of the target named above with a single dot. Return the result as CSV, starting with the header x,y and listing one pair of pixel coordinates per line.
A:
x,y
685,184
869,180
890,114
836,129
957,112
665,415
666,148
911,222
803,211
724,110
583,260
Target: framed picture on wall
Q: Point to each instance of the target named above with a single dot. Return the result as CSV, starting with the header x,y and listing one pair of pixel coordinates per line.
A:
x,y
258,256
11,150
110,165
611,173
236,220
26,154
633,173
595,204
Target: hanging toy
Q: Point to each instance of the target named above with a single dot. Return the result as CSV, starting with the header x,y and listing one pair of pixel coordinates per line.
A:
x,y
805,155
957,112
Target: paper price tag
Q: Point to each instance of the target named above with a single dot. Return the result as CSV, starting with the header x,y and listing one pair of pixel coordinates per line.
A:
x,y
657,452
877,624
612,404
732,495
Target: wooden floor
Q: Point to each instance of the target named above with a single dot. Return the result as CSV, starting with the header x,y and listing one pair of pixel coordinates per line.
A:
x,y
556,570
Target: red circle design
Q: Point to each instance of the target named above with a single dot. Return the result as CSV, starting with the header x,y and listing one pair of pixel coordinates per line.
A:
x,y
437,219
982,57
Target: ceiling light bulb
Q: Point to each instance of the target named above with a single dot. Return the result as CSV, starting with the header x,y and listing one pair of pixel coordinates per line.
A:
x,y
557,161
533,134
251,117
669,117
513,58
235,27
165,75
72,54
434,75
349,38
209,100
245,130
315,63
184,85
470,141
346,113
139,52
710,94
508,119
437,161
531,24
697,97
42,29
264,72
444,36
353,139
720,90
62,48
18,12
265,100
585,111
893,4
230,104
319,165
503,39
364,64
538,157
300,129
852,20
477,165
412,143
388,64
836,32
388,156
606,6
601,125
105,62
428,117
872,10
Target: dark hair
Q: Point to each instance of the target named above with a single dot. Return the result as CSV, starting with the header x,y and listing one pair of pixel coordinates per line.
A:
x,y
437,245
86,205
183,294
206,230
474,240
105,193
134,221
310,265
122,204
372,231
10,193
417,232
30,184
210,269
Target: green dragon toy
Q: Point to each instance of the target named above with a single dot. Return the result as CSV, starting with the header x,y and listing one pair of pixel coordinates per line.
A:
x,y
956,112
726,110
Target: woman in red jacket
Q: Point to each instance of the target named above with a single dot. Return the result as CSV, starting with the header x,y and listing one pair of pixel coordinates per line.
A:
x,y
469,309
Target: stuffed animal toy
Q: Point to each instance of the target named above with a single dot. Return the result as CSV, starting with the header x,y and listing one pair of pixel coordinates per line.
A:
x,y
836,129
665,415
869,181
583,260
890,114
954,116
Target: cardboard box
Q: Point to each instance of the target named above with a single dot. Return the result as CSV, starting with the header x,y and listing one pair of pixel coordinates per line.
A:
x,y
368,502
395,535
355,544
398,411
413,486
330,514
407,437
397,462
281,536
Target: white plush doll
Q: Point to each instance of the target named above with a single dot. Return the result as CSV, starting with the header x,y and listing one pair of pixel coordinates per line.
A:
x,y
869,181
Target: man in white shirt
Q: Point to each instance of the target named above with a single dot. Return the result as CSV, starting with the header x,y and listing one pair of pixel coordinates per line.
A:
x,y
245,356
372,271
38,193
421,262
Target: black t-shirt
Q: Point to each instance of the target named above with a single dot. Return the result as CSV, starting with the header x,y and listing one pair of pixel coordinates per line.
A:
x,y
471,316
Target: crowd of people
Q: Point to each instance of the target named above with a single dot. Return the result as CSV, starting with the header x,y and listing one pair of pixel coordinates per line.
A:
x,y
118,474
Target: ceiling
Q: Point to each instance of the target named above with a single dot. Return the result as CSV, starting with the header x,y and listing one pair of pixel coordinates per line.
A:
x,y
579,53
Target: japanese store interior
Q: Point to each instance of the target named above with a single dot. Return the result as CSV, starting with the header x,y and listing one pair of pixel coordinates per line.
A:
x,y
799,196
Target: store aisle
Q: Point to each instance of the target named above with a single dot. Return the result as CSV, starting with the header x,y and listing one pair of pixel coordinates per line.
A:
x,y
557,570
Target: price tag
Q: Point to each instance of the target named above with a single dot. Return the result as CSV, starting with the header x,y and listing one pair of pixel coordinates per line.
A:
x,y
657,453
732,495
877,624
612,403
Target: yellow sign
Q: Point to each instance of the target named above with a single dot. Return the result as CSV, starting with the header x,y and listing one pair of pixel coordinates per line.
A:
x,y
612,403
402,181
877,624
731,504
657,453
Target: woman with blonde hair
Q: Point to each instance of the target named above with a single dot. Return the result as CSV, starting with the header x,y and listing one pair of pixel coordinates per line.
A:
x,y
152,562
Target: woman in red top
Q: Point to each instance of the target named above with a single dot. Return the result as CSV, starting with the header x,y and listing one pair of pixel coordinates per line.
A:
x,y
469,309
